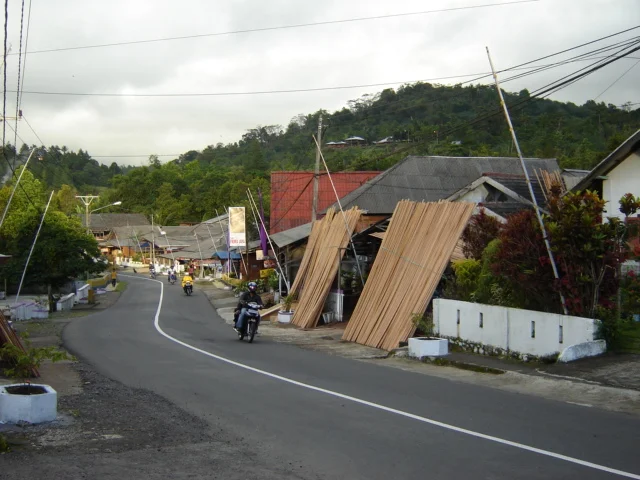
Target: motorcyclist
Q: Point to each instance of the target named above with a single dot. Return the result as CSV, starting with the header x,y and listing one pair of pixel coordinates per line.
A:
x,y
170,274
247,297
152,271
186,278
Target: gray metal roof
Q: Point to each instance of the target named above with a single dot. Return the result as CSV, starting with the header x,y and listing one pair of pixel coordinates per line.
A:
x,y
287,237
107,221
431,179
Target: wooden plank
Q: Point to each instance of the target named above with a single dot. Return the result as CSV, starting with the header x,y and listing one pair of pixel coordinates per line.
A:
x,y
415,250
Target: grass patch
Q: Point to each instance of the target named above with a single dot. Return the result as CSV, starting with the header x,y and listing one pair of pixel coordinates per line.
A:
x,y
4,445
628,340
121,286
443,362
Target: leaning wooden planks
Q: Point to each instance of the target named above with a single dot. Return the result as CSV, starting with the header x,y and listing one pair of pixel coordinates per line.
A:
x,y
309,252
7,335
415,250
321,265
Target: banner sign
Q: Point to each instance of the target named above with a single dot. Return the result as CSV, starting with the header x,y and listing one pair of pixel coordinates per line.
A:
x,y
237,231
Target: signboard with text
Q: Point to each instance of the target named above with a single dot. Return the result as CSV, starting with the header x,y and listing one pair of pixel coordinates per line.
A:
x,y
237,229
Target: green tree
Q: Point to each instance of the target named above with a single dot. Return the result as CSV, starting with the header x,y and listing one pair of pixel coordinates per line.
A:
x,y
62,252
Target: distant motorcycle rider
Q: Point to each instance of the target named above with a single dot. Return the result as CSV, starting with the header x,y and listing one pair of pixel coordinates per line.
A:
x,y
247,297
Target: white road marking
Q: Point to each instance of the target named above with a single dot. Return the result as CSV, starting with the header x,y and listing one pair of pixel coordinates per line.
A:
x,y
581,404
412,416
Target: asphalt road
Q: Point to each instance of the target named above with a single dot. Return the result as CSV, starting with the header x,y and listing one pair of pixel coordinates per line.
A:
x,y
358,420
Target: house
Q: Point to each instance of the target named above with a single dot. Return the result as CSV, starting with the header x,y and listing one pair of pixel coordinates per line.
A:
x,y
384,141
431,178
501,193
168,243
101,224
355,141
616,175
292,195
336,144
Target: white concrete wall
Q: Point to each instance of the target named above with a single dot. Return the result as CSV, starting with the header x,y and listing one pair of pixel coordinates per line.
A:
x,y
510,328
625,178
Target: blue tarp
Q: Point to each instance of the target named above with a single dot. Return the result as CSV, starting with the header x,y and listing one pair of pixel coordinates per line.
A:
x,y
223,255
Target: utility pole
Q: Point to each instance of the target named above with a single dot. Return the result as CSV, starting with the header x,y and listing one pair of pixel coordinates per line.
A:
x,y
526,176
316,174
153,245
87,199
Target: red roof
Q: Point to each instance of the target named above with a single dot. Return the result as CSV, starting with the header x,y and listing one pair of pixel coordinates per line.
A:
x,y
292,194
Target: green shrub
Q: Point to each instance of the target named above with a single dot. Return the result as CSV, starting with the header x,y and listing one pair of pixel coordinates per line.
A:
x,y
467,275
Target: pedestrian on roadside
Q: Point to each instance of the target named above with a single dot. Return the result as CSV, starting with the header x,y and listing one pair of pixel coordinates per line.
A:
x,y
114,277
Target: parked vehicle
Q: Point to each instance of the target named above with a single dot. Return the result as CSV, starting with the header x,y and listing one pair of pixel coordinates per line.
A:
x,y
252,321
188,288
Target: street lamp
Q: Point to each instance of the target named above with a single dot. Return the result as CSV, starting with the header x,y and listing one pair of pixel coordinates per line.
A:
x,y
86,200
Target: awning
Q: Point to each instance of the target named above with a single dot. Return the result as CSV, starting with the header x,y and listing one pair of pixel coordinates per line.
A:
x,y
224,255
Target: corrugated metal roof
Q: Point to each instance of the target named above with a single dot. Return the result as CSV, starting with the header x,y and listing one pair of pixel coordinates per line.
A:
x,y
282,239
107,221
431,179
292,195
572,177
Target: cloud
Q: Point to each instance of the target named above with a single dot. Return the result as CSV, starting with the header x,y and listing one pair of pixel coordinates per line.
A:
x,y
383,50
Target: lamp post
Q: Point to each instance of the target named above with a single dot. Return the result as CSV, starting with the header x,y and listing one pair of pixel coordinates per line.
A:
x,y
86,200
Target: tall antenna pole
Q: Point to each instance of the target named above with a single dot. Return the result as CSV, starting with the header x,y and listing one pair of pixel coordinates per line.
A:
x,y
316,174
33,245
529,186
87,199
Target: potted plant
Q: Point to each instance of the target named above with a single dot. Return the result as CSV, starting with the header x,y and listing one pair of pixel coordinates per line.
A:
x,y
25,401
285,315
427,345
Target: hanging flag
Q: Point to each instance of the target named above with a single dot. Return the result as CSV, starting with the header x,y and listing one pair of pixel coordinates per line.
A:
x,y
263,233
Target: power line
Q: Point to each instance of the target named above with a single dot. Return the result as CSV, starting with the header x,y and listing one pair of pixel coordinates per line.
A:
x,y
477,76
260,92
34,132
616,80
283,27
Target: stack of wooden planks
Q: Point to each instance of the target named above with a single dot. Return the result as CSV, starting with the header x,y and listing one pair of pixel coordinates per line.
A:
x,y
7,335
414,253
327,242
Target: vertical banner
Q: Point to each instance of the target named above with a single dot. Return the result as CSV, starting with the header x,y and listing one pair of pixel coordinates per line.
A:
x,y
237,231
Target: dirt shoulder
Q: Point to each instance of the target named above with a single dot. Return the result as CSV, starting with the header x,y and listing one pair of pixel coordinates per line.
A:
x,y
107,430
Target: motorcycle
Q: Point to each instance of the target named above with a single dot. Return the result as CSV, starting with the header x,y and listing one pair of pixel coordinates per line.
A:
x,y
188,288
152,274
172,278
252,320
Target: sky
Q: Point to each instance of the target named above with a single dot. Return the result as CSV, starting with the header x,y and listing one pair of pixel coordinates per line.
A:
x,y
394,50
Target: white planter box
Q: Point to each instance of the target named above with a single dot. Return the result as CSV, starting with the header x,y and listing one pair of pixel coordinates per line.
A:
x,y
28,408
428,347
284,317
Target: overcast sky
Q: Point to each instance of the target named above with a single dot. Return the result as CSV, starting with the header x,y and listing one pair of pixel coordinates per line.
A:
x,y
396,49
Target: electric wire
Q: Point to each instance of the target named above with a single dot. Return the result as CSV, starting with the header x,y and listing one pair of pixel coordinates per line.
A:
x,y
282,27
616,80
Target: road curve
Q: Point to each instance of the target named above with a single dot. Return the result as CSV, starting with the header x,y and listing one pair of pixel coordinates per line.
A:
x,y
358,420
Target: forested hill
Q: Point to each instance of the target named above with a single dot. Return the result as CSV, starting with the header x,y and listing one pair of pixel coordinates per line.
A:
x,y
422,119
